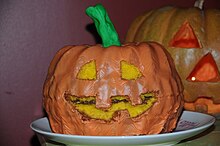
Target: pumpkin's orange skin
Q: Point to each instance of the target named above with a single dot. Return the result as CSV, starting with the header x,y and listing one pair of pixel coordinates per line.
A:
x,y
162,24
158,75
202,104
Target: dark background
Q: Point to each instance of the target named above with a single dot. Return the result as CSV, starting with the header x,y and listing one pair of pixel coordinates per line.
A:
x,y
31,31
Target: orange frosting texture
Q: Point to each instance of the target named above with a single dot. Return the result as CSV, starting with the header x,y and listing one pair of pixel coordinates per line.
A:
x,y
158,74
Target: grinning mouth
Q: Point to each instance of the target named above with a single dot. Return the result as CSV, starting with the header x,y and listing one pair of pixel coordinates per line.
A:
x,y
87,106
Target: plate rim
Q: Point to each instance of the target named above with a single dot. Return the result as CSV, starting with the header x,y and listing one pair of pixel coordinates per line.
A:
x,y
197,130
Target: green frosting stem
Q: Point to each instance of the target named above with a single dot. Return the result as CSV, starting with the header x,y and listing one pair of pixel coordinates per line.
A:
x,y
104,26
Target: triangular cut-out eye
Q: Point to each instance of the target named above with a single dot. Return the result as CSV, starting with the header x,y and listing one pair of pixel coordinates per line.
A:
x,y
87,71
185,37
206,70
129,71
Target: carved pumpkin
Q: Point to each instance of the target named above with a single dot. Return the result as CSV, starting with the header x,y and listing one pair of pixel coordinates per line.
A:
x,y
202,105
128,89
192,37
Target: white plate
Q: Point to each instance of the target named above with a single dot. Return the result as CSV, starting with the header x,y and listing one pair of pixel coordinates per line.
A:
x,y
190,124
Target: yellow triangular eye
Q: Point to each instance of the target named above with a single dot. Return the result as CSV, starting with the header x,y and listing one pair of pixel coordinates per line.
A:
x,y
87,71
129,71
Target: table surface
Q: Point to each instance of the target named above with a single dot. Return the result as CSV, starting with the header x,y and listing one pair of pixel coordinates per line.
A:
x,y
210,137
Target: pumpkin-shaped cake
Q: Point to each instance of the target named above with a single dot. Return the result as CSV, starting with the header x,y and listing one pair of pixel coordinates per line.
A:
x,y
112,89
192,37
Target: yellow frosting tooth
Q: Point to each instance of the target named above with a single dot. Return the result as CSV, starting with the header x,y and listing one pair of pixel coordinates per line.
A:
x,y
87,71
129,71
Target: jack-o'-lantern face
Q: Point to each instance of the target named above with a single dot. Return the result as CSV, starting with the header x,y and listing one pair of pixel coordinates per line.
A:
x,y
91,87
192,37
102,87
205,70
128,72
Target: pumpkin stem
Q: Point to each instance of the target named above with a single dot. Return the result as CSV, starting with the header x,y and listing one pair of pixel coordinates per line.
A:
x,y
199,4
104,26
